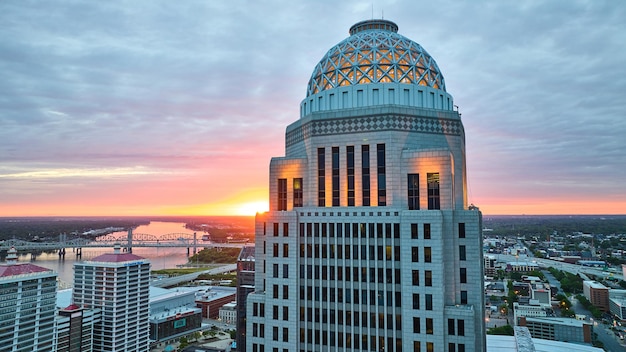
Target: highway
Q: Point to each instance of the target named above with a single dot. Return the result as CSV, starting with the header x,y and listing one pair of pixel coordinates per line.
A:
x,y
173,281
571,268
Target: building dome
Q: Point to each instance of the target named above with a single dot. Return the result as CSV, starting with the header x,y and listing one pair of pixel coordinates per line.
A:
x,y
375,66
375,53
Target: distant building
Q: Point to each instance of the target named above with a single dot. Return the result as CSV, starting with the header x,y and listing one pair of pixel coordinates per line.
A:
x,y
597,294
245,285
75,328
527,310
490,265
173,314
524,342
558,329
211,298
617,303
119,285
27,306
228,313
522,267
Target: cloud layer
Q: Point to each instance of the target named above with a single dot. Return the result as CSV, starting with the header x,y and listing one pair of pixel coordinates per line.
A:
x,y
160,107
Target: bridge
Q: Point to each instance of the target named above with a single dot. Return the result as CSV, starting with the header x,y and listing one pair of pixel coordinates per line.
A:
x,y
128,242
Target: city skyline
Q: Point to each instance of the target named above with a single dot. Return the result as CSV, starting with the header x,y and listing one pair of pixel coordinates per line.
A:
x,y
169,109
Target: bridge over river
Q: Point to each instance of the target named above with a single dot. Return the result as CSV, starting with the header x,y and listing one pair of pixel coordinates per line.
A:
x,y
128,242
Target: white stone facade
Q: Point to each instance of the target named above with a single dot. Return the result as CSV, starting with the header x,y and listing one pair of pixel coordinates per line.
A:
x,y
359,251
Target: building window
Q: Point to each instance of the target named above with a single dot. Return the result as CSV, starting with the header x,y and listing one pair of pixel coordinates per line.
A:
x,y
460,327
416,301
429,301
275,333
417,346
285,271
275,233
433,190
275,291
429,326
451,327
451,347
461,230
285,292
335,176
321,177
382,177
275,270
426,231
414,234
285,250
415,277
365,174
350,174
416,325
428,278
415,254
285,313
282,194
427,255
413,190
461,347
430,346
463,297
275,250
297,193
463,275
462,253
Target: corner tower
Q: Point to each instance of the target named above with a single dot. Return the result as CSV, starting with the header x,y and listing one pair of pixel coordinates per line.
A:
x,y
369,244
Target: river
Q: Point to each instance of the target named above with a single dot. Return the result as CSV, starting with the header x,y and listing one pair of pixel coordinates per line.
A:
x,y
161,258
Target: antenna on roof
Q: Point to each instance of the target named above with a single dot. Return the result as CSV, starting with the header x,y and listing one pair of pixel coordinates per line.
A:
x,y
372,10
382,14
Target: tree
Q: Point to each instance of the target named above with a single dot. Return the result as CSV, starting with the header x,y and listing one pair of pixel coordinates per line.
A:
x,y
501,330
183,342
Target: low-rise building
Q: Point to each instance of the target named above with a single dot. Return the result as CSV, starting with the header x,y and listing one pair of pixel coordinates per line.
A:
x,y
527,310
521,267
173,314
617,303
75,328
489,265
597,294
558,329
228,313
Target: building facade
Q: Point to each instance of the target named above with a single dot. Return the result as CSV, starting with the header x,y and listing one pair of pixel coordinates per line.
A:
x,y
558,329
118,284
27,306
245,285
75,328
173,314
369,243
597,294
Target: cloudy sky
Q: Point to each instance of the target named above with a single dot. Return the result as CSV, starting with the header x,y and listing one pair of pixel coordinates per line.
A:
x,y
168,107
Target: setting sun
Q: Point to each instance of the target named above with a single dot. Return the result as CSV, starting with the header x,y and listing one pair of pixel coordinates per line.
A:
x,y
251,208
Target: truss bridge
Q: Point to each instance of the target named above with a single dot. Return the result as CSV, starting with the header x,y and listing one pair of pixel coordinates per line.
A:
x,y
128,242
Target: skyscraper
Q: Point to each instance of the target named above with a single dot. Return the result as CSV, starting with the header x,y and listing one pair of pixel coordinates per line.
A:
x,y
27,306
369,243
119,285
245,285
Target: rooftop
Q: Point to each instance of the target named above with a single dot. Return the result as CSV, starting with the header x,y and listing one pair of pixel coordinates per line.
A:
x,y
595,284
116,258
7,270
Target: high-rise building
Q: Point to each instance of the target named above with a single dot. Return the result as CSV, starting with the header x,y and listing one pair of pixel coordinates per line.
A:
x,y
27,306
119,285
245,285
369,243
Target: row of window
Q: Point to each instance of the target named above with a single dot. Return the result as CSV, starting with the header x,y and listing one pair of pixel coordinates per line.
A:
x,y
362,230
347,274
364,297
323,251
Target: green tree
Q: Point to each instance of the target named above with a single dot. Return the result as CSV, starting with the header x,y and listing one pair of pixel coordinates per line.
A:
x,y
501,330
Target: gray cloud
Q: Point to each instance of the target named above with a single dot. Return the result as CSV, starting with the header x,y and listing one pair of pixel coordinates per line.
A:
x,y
170,85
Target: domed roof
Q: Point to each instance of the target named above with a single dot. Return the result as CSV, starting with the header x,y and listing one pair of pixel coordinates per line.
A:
x,y
375,53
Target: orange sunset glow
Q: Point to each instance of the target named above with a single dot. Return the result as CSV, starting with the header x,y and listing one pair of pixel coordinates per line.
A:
x,y
170,109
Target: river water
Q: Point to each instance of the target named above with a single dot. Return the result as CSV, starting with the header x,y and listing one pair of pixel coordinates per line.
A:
x,y
160,258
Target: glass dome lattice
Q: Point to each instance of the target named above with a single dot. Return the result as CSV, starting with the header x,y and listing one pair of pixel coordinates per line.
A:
x,y
375,53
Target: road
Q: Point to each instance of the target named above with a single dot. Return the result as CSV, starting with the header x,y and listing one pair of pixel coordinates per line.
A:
x,y
172,281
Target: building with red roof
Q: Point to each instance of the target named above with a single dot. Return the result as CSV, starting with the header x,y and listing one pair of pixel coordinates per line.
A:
x,y
118,284
27,306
